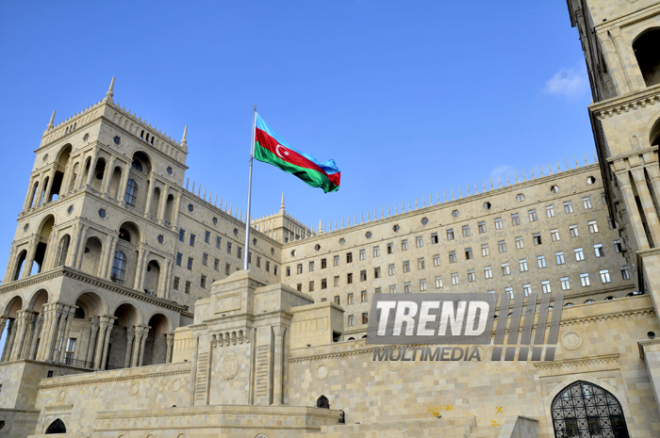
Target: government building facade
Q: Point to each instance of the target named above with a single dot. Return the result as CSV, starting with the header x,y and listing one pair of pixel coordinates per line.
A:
x,y
127,313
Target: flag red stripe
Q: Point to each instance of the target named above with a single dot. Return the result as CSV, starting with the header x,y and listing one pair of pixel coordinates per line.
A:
x,y
269,143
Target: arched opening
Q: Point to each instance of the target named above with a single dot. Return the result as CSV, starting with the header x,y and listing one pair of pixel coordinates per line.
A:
x,y
114,182
122,337
648,56
323,402
56,426
169,209
42,245
33,333
62,168
99,172
43,191
18,267
141,162
586,410
152,277
91,259
124,270
63,250
82,346
655,134
155,347
139,174
9,335
155,203
34,194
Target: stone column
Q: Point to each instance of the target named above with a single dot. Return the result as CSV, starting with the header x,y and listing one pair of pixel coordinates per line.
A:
x,y
67,330
107,176
92,167
278,363
9,343
47,320
147,209
108,256
647,204
164,280
91,345
654,176
138,347
169,340
28,198
143,341
38,325
51,178
58,344
106,329
130,336
76,242
3,324
11,266
631,208
29,260
139,274
30,326
175,213
163,203
121,191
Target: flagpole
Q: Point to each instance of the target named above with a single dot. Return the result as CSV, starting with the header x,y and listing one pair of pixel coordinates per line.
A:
x,y
249,200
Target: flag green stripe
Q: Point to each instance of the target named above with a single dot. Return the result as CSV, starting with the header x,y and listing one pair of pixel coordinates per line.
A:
x,y
310,176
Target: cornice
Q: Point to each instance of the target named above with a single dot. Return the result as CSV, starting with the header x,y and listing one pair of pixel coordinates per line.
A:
x,y
630,102
94,378
583,362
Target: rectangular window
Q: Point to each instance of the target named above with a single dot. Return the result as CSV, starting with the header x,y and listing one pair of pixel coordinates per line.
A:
x,y
550,211
349,257
377,272
299,287
574,230
509,291
434,238
452,257
288,270
515,219
349,299
498,223
579,254
420,264
466,231
406,266
190,263
404,245
218,242
488,272
505,269
179,258
259,263
299,269
541,261
336,260
450,234
532,216
545,285
598,249
419,241
324,263
537,238
336,281
605,276
392,288
363,275
527,289
611,223
482,227
407,288
519,243
311,267
351,321
523,265
422,285
584,279
202,282
228,247
471,276
205,259
554,235
378,290
617,246
624,273
365,318
568,207
337,300
182,235
559,256
363,254
227,269
192,240
565,283
436,260
207,237
391,270
239,252
187,287
586,202
501,246
175,286
438,282
593,227
390,248
363,296
485,251
311,286
468,253
349,278
454,278
324,283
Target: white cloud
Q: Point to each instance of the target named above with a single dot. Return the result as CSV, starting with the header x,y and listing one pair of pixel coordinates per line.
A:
x,y
570,82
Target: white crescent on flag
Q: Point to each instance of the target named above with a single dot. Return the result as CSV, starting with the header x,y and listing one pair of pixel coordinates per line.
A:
x,y
283,152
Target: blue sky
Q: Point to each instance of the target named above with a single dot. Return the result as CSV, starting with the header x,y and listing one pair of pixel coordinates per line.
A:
x,y
409,98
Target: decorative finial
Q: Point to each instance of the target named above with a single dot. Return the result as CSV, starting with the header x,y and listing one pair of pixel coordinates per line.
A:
x,y
184,140
110,93
52,120
282,204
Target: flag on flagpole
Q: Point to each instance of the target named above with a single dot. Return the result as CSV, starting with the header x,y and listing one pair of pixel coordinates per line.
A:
x,y
270,148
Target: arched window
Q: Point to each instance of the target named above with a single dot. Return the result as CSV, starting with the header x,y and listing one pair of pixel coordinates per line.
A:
x,y
323,402
20,261
118,268
648,56
56,426
124,234
586,410
137,165
131,192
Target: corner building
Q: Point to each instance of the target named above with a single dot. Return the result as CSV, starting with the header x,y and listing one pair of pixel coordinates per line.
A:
x,y
127,313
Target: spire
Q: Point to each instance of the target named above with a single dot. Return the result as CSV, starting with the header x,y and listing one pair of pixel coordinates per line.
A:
x,y
184,140
52,119
282,204
110,93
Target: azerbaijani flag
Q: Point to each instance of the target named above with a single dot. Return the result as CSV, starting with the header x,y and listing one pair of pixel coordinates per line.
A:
x,y
270,148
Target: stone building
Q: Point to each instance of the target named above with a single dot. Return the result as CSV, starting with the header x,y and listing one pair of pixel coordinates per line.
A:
x,y
127,313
